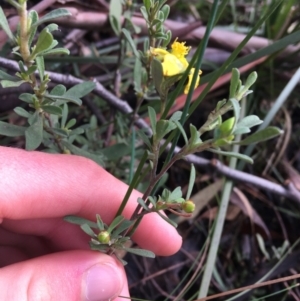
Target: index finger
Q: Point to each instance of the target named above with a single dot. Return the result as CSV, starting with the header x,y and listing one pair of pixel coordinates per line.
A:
x,y
40,185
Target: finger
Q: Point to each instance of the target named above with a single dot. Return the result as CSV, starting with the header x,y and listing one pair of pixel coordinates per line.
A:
x,y
39,185
76,275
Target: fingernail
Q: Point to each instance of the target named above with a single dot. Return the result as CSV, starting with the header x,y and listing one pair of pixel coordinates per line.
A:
x,y
102,283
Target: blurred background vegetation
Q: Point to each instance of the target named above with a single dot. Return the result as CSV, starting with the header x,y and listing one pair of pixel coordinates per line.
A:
x,y
260,225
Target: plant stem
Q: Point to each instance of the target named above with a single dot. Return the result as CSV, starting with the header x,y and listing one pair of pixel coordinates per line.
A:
x,y
24,48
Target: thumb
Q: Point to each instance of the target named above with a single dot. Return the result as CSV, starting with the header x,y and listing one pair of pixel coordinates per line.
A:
x,y
69,276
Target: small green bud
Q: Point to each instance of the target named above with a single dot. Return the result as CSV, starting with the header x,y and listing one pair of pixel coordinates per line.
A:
x,y
104,237
226,127
188,206
67,152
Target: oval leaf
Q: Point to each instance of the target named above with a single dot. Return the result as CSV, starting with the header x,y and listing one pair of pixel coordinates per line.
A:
x,y
263,135
34,134
140,252
44,42
232,154
249,121
57,13
11,130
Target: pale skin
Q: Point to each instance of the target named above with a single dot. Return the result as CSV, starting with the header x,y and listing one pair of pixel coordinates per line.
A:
x,y
45,258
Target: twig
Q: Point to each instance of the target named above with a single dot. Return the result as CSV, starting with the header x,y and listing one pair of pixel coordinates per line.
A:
x,y
99,90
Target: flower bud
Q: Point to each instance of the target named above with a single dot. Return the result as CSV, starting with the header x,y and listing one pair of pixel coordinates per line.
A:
x,y
188,206
104,237
226,127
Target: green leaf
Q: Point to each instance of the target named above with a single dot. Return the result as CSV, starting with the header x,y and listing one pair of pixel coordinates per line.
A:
x,y
71,123
163,127
167,219
122,227
241,130
262,135
144,137
161,35
168,36
81,152
79,131
191,182
34,134
79,221
55,110
118,220
59,90
44,42
4,24
52,27
11,84
175,194
41,66
100,223
64,98
81,89
21,66
165,10
226,128
87,229
156,22
195,136
65,112
147,4
129,39
152,116
176,116
61,132
232,154
6,76
137,79
11,130
166,194
56,51
31,69
234,82
130,23
34,17
54,14
140,252
249,121
26,97
160,16
22,112
157,74
251,79
236,110
143,204
182,131
115,12
145,13
116,151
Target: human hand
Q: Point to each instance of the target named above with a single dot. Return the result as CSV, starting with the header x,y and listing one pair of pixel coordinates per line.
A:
x,y
46,258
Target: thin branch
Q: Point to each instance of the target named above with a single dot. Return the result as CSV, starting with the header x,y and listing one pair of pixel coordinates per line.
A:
x,y
69,80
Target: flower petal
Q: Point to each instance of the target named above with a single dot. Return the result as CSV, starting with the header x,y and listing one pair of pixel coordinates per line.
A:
x,y
190,77
172,65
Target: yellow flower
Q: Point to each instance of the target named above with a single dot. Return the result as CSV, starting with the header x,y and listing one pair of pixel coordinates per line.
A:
x,y
174,61
190,77
172,65
180,51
